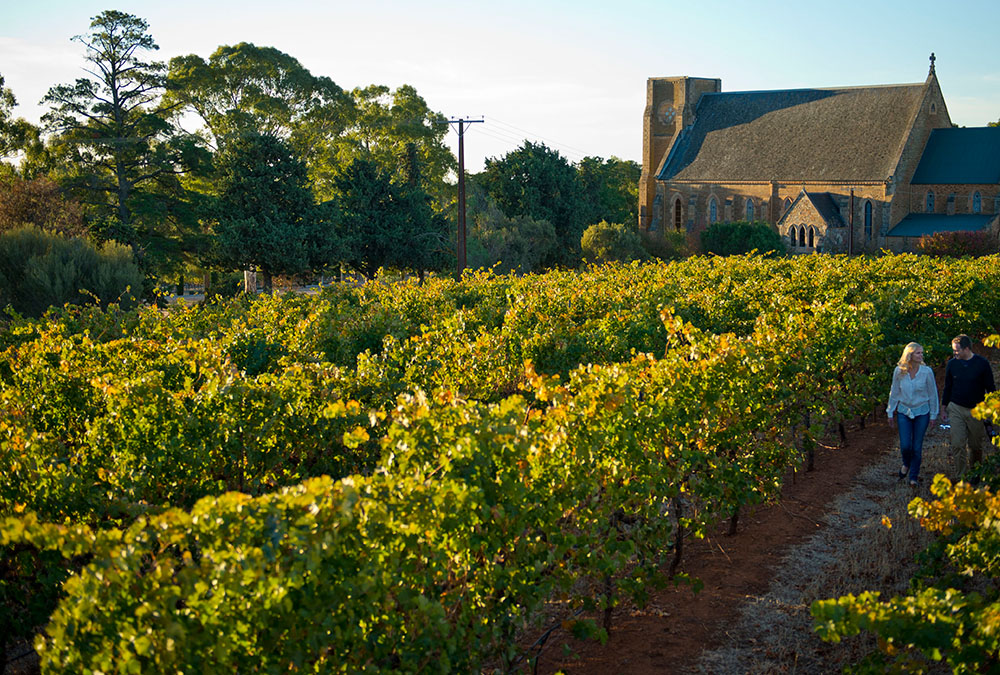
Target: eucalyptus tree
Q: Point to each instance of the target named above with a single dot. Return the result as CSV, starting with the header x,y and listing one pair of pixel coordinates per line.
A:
x,y
397,131
15,133
245,88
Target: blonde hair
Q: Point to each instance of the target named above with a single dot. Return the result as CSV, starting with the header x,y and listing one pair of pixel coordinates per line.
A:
x,y
904,360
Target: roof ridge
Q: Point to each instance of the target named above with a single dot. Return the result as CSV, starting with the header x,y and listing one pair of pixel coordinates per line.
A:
x,y
848,88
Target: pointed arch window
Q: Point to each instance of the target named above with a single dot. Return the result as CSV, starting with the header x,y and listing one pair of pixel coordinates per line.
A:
x,y
749,210
802,236
977,203
677,215
868,220
812,237
929,206
792,237
713,210
787,204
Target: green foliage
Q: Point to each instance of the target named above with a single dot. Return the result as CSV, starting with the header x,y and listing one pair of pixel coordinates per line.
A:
x,y
724,238
266,216
387,224
109,125
539,183
507,244
244,89
958,244
494,446
16,134
395,130
610,190
39,270
666,245
607,242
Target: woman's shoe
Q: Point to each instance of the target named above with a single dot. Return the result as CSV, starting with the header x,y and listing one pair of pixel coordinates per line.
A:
x,y
902,473
914,484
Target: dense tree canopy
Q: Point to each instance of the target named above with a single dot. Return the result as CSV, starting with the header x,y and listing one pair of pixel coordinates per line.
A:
x,y
538,182
610,190
244,87
607,242
109,123
398,132
270,142
116,149
388,224
741,237
266,216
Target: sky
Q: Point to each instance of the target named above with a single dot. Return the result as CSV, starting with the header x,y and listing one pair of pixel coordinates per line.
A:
x,y
571,75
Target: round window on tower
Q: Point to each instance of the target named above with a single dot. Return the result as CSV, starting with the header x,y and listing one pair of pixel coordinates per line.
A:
x,y
667,112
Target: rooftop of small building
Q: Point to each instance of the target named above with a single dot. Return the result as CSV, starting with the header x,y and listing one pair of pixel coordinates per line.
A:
x,y
920,224
960,156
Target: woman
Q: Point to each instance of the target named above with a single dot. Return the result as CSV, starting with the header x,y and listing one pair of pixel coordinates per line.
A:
x,y
913,406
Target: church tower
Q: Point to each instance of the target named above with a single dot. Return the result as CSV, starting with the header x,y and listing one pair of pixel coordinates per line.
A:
x,y
670,106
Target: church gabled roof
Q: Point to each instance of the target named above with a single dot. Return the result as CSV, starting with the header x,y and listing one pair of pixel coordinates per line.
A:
x,y
824,205
853,134
960,157
919,224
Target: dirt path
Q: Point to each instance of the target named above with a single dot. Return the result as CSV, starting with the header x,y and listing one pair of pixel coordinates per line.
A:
x,y
672,632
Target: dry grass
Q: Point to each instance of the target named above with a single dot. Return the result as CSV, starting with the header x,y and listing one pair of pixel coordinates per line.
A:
x,y
854,551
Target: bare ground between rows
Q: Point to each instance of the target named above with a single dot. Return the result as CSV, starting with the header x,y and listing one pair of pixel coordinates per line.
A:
x,y
670,633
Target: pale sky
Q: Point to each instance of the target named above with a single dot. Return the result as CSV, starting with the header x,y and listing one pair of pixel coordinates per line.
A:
x,y
569,74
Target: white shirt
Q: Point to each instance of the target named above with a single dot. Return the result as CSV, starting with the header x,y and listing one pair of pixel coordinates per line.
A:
x,y
913,396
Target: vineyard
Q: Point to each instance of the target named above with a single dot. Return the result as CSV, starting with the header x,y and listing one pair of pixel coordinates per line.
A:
x,y
425,478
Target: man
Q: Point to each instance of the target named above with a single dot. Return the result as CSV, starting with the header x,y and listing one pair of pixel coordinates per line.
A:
x,y
967,379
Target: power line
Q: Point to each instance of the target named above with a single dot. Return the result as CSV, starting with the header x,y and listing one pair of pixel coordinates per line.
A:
x,y
554,142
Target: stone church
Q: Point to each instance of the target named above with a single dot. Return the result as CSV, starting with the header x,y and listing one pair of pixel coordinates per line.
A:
x,y
854,169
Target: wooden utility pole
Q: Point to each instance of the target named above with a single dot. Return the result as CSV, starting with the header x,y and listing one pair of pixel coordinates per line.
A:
x,y
461,189
850,225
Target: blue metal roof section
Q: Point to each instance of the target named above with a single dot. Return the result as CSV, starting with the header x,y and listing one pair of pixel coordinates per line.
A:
x,y
960,157
919,224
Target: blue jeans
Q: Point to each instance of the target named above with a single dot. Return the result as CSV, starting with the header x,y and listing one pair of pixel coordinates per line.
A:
x,y
911,440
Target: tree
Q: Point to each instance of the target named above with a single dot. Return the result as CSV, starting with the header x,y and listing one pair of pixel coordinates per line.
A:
x,y
610,190
15,134
607,242
540,183
509,244
266,215
38,202
396,131
245,88
121,151
741,237
388,224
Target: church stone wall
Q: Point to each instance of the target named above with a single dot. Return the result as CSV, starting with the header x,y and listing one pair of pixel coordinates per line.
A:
x,y
768,200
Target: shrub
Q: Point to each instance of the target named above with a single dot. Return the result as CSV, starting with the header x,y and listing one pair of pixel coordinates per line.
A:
x,y
958,244
607,242
666,245
741,237
39,270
